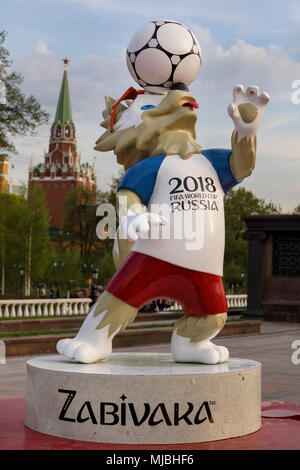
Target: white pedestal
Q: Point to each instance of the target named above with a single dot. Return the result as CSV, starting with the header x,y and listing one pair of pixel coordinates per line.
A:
x,y
143,398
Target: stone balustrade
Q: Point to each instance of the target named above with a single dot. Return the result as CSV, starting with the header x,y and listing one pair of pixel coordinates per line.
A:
x,y
43,307
237,301
64,307
234,301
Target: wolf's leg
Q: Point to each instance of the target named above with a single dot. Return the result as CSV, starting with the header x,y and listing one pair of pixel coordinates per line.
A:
x,y
191,339
94,339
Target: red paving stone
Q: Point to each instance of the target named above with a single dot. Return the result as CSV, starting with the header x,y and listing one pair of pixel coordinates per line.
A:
x,y
277,433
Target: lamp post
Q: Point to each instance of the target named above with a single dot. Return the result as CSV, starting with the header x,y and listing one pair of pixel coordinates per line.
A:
x,y
90,269
94,290
242,272
95,274
22,271
55,265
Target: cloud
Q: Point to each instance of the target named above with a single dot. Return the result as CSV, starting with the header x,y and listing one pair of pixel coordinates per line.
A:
x,y
42,48
271,68
212,11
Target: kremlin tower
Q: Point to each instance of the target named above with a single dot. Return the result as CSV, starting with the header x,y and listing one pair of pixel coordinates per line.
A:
x,y
62,169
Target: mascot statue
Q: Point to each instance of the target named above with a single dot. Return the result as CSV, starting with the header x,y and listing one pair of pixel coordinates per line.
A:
x,y
170,240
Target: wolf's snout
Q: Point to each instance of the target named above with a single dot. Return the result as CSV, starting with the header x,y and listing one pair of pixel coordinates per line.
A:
x,y
193,104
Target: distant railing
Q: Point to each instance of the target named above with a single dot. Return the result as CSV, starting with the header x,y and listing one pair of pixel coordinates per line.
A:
x,y
61,307
237,301
233,301
43,307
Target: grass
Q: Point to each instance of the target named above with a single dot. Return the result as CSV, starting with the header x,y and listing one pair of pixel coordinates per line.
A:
x,y
42,317
60,332
36,333
75,330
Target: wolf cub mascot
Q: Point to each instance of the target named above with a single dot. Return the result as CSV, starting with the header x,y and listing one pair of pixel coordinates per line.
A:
x,y
169,182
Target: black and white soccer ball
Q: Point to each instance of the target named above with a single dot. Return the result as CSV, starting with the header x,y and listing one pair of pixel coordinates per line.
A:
x,y
163,53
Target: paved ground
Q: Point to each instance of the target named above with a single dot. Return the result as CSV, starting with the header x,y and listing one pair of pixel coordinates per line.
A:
x,y
273,348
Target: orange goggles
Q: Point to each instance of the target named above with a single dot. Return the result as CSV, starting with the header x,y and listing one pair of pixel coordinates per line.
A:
x,y
130,94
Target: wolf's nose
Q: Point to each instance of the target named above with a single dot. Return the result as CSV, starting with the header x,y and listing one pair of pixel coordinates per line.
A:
x,y
193,104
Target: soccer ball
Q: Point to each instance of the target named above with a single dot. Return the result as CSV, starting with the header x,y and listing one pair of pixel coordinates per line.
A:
x,y
161,54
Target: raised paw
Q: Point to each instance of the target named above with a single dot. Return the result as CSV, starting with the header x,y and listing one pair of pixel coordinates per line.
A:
x,y
247,110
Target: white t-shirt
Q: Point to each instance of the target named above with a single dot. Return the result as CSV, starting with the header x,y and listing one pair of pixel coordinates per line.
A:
x,y
189,193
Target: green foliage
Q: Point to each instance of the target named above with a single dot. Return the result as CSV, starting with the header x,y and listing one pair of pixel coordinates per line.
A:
x,y
240,203
110,196
64,271
297,210
106,267
24,238
20,115
80,222
37,227
79,231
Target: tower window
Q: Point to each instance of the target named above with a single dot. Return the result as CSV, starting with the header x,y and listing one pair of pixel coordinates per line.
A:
x,y
67,131
58,131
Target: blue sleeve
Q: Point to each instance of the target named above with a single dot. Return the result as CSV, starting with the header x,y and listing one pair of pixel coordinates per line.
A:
x,y
141,177
219,158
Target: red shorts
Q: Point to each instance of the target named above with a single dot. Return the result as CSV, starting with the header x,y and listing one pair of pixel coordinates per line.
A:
x,y
142,278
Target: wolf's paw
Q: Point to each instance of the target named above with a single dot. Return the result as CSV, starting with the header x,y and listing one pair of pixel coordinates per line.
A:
x,y
83,351
247,110
134,225
203,352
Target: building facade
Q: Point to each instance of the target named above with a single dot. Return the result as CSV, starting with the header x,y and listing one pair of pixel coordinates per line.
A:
x,y
61,169
274,267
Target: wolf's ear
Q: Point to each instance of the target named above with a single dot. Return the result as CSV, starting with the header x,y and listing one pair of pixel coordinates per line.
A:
x,y
179,86
109,101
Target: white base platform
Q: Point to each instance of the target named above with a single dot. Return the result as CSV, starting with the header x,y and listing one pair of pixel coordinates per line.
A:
x,y
143,398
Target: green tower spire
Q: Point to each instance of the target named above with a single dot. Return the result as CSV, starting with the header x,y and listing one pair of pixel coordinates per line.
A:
x,y
63,114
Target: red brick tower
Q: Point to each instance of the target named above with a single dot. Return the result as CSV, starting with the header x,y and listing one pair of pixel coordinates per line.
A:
x,y
62,169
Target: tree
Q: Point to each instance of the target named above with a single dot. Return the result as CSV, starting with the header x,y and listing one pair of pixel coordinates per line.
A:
x,y
80,222
24,239
19,115
36,237
79,230
238,204
11,207
297,210
64,270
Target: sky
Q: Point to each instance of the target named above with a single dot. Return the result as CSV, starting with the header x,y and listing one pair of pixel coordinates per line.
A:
x,y
248,42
